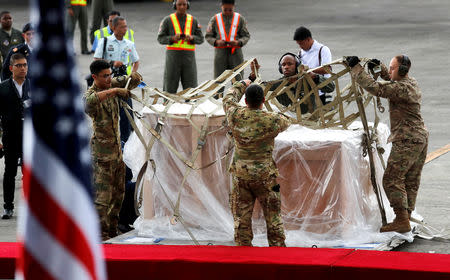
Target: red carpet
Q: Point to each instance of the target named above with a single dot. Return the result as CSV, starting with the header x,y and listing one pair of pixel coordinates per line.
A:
x,y
223,262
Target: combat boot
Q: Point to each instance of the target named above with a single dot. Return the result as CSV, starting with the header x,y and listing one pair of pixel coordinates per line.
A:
x,y
400,223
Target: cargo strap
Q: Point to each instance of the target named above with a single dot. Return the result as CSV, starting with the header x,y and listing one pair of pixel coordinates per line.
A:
x,y
331,115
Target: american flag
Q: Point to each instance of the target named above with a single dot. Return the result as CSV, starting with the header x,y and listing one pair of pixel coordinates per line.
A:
x,y
58,227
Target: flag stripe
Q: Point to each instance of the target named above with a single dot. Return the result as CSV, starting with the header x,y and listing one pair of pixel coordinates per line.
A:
x,y
72,199
60,225
53,257
51,172
33,269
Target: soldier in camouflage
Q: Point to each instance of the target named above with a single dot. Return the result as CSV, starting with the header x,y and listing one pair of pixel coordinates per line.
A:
x,y
253,168
102,105
409,136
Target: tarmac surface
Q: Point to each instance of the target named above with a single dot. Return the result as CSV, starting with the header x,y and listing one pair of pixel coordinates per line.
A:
x,y
367,28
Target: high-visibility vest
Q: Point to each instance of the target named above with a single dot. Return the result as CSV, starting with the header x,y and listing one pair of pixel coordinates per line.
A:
x,y
231,36
182,44
102,33
78,2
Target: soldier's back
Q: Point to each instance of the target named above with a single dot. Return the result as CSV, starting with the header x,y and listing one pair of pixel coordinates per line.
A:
x,y
255,130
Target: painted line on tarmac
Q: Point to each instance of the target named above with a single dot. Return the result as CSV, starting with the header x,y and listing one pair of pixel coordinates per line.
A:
x,y
439,152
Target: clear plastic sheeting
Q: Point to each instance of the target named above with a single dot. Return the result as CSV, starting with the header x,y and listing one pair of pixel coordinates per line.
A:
x,y
327,197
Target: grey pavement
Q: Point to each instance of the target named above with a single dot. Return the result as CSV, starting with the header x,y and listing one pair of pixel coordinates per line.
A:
x,y
367,28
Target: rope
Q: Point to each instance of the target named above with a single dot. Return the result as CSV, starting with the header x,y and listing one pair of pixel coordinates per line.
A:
x,y
331,115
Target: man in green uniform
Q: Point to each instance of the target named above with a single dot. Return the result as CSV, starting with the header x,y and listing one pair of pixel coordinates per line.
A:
x,y
9,36
180,32
409,136
77,11
253,168
100,10
227,33
102,105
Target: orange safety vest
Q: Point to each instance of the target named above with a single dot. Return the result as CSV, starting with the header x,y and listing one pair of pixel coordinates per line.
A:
x,y
182,44
231,36
78,2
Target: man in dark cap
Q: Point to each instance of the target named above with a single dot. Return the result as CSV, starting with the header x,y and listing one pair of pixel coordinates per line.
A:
x,y
9,36
24,48
227,33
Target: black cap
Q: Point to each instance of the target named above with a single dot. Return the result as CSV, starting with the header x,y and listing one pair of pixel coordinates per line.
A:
x,y
27,27
254,95
228,2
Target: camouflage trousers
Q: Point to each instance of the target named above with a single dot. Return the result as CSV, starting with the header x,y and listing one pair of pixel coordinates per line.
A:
x,y
109,184
242,200
401,179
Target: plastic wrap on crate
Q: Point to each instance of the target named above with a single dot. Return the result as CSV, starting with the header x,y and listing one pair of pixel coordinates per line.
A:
x,y
327,196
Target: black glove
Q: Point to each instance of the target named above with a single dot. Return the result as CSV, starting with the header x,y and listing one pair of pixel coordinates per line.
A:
x,y
352,60
372,63
316,79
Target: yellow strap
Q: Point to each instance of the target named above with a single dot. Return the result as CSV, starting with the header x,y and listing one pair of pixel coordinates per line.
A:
x,y
329,115
176,24
78,2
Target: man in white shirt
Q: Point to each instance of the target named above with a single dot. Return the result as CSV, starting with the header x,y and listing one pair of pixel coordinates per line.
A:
x,y
119,51
313,54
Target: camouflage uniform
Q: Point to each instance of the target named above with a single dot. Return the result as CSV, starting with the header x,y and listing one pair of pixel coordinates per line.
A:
x,y
109,168
223,57
408,135
253,168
